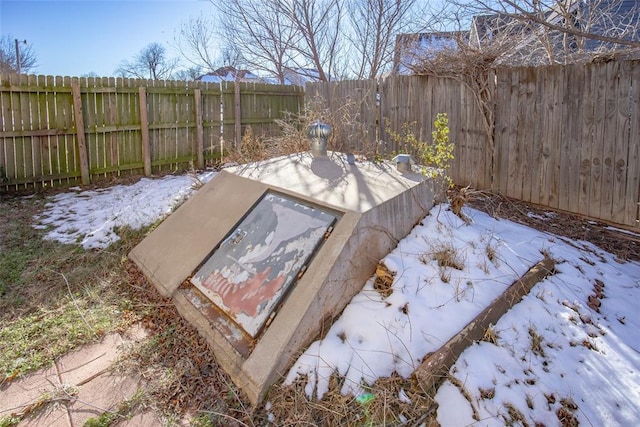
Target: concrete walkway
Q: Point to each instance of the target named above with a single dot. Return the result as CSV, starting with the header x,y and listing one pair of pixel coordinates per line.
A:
x,y
80,385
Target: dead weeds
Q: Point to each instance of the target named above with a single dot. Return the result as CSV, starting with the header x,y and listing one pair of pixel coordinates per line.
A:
x,y
389,401
179,368
624,245
54,297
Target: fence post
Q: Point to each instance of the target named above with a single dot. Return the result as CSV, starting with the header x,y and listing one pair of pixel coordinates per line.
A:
x,y
144,130
237,114
199,133
82,144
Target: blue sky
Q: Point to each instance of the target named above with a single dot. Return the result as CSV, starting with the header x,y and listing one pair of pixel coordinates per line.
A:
x,y
75,37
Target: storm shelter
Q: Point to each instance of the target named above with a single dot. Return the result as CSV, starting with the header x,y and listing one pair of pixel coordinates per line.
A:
x,y
263,257
252,269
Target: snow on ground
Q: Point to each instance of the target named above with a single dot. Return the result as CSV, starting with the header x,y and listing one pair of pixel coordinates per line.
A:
x,y
91,218
553,357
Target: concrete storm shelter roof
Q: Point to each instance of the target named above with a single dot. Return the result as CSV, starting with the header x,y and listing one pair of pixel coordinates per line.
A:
x,y
263,257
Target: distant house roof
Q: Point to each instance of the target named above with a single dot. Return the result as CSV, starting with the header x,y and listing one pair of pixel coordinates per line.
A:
x,y
487,28
230,74
410,48
618,18
605,17
301,76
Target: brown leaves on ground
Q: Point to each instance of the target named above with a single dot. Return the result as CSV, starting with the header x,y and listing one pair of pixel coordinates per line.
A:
x,y
389,401
624,245
383,282
178,365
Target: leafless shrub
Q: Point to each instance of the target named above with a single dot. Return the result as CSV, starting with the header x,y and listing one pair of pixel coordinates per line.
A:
x,y
470,66
348,133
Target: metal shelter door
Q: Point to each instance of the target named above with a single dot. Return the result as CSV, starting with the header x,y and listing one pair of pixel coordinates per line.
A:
x,y
254,267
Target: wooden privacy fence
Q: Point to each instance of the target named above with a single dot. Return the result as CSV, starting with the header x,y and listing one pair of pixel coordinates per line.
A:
x,y
416,100
61,129
569,138
566,137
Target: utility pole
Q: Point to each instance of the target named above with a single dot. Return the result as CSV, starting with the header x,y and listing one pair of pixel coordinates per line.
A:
x,y
19,65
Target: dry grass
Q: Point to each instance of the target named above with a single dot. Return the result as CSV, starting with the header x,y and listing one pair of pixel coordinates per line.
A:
x,y
490,335
447,257
181,375
390,401
54,297
44,281
536,342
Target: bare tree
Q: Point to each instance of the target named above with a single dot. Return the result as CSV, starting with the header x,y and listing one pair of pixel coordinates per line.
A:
x,y
188,74
9,60
373,26
318,23
151,62
273,36
257,34
334,38
196,41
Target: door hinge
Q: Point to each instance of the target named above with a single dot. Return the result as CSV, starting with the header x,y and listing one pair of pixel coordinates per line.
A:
x,y
328,232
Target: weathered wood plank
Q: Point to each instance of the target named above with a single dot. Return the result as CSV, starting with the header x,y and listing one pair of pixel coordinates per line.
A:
x,y
12,167
535,177
228,127
501,165
111,119
33,146
587,139
23,145
524,132
60,114
514,166
597,151
632,201
197,95
79,125
101,120
609,138
623,106
3,129
555,139
573,137
144,128
436,365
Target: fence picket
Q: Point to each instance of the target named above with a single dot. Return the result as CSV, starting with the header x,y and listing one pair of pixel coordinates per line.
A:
x,y
573,121
622,137
632,200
